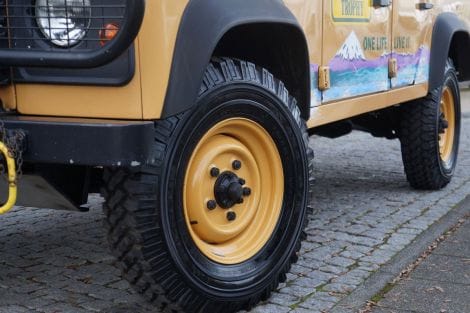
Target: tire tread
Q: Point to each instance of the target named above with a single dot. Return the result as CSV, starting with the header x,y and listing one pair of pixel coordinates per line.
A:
x,y
132,215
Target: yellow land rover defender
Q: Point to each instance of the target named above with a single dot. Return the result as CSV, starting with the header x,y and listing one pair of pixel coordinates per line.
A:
x,y
193,117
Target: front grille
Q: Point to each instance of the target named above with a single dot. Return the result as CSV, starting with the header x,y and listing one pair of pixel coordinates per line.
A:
x,y
21,29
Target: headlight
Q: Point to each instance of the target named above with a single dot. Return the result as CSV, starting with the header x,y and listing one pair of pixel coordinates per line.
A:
x,y
63,22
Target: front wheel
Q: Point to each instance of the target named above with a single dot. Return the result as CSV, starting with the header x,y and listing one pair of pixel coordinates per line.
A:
x,y
430,135
215,222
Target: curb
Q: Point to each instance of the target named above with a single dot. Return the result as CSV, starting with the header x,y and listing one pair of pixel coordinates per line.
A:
x,y
377,281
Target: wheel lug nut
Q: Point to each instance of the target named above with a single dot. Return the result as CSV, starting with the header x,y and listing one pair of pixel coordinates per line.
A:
x,y
215,172
246,191
231,216
211,204
242,181
236,165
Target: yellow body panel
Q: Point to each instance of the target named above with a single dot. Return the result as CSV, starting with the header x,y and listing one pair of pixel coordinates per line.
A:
x,y
388,32
157,41
82,101
142,98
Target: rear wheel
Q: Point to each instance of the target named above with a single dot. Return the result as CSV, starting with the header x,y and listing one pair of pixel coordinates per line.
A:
x,y
215,222
430,135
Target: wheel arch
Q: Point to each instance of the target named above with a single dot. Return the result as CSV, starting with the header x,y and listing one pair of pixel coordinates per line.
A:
x,y
226,23
450,39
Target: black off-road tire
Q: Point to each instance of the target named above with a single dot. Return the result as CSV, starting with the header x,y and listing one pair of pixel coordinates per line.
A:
x,y
419,135
143,209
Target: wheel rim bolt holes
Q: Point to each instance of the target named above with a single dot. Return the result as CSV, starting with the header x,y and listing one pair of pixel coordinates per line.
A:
x,y
236,165
211,204
231,216
246,191
215,172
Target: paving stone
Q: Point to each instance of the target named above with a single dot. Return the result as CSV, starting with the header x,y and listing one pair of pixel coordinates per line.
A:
x,y
379,257
337,270
309,282
353,255
341,262
316,305
339,288
283,299
401,239
321,276
321,301
271,308
349,279
298,291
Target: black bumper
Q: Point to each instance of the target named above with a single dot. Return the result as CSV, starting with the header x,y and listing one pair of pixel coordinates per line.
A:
x,y
84,141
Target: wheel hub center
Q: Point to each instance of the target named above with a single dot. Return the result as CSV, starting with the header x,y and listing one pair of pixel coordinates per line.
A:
x,y
235,191
228,190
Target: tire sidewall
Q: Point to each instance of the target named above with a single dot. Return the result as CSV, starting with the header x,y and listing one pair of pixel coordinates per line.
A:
x,y
450,80
236,282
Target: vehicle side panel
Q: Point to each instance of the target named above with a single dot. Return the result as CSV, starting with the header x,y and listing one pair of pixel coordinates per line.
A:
x,y
356,48
411,43
413,46
310,14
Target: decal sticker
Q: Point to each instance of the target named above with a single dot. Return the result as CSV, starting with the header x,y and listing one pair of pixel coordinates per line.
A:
x,y
351,11
353,75
413,68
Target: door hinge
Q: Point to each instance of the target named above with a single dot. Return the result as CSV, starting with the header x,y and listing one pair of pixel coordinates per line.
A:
x,y
324,78
392,68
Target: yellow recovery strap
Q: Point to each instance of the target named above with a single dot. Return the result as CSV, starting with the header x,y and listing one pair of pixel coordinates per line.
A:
x,y
12,187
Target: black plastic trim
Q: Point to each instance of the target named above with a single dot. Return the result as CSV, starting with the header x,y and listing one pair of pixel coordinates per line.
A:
x,y
203,25
89,77
134,16
84,141
445,27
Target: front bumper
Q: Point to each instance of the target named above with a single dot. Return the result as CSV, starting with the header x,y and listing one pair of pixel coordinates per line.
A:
x,y
85,142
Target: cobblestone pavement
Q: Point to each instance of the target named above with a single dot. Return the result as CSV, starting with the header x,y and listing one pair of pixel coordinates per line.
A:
x,y
53,261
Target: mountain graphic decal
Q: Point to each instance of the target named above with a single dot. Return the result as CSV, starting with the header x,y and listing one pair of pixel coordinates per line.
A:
x,y
351,49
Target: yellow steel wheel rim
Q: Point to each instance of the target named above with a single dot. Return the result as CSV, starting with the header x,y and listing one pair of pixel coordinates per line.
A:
x,y
218,238
446,139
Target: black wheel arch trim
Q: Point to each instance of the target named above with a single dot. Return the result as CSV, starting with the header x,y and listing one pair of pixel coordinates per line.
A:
x,y
203,25
446,26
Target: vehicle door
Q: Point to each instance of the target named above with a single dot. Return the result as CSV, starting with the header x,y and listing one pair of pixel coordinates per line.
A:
x,y
356,48
412,32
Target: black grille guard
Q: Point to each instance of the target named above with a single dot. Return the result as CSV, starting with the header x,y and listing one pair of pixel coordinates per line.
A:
x,y
133,18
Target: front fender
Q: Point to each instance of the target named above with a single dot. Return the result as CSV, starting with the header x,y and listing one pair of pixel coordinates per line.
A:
x,y
445,27
203,24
